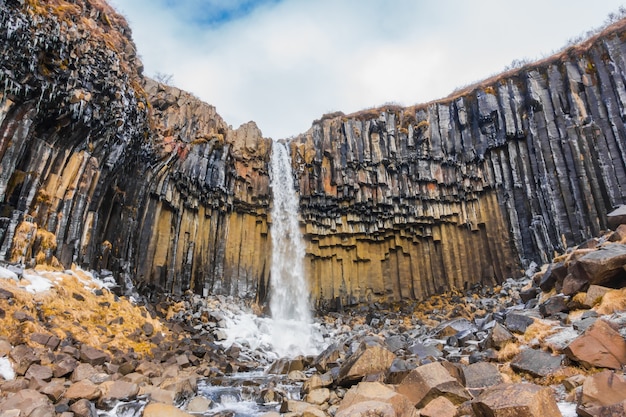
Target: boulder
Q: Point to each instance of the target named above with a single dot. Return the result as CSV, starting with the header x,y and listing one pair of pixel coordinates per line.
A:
x,y
23,357
518,400
600,345
163,410
329,357
554,305
601,266
439,407
64,366
54,390
375,399
93,356
594,295
82,389
26,401
422,351
84,408
602,389
427,382
157,394
318,396
481,375
517,322
617,217
537,362
42,373
368,359
199,404
555,273
48,340
83,371
114,391
499,336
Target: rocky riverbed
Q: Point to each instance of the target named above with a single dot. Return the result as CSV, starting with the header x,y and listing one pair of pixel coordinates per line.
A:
x,y
550,342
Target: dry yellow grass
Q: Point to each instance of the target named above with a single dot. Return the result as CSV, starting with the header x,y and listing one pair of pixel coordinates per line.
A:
x,y
538,331
71,309
508,352
612,302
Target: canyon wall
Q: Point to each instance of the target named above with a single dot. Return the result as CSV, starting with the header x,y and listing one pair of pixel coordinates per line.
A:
x,y
106,169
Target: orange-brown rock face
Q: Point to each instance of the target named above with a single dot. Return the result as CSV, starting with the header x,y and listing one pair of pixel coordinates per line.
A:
x,y
104,168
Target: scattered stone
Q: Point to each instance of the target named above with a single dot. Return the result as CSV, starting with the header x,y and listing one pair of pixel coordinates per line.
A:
x,y
481,375
499,336
600,266
594,295
48,340
23,357
537,362
556,272
82,389
114,391
82,371
163,410
318,396
26,401
617,217
54,390
554,305
158,394
6,294
600,345
602,389
39,372
422,351
367,360
517,322
375,399
439,407
148,329
199,404
519,400
429,381
84,408
92,355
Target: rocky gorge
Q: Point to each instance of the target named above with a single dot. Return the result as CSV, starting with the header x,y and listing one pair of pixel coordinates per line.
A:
x,y
425,232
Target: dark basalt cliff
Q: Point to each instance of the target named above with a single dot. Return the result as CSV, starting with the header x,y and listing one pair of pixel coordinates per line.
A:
x,y
104,168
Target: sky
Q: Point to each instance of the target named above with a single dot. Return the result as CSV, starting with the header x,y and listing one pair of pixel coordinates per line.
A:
x,y
285,63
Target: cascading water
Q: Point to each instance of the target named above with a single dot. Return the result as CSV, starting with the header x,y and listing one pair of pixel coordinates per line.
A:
x,y
289,292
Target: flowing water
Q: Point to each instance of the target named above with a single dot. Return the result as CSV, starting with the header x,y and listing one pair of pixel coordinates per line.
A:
x,y
289,292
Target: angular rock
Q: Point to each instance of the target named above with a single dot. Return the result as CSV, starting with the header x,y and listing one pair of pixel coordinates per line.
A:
x,y
594,295
439,407
84,389
554,305
537,362
617,217
367,360
157,394
556,272
112,392
329,356
26,401
48,340
517,322
318,396
163,410
64,366
54,390
519,400
601,266
84,408
427,382
422,351
93,356
600,345
603,389
374,398
481,375
39,372
498,337
149,369
82,371
23,357
199,404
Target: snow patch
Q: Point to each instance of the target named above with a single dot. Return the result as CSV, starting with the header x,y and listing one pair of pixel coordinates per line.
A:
x,y
37,284
567,409
7,274
6,369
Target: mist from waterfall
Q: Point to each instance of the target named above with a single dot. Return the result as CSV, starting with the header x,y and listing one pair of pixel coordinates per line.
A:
x,y
289,292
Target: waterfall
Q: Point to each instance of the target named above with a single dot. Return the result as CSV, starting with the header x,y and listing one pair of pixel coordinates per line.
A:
x,y
289,292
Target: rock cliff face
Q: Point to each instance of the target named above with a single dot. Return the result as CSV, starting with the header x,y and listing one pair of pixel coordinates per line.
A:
x,y
102,167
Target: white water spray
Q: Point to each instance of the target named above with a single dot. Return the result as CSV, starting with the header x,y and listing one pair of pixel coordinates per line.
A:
x,y
289,292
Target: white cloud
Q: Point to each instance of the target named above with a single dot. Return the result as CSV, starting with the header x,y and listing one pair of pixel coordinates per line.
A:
x,y
286,63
